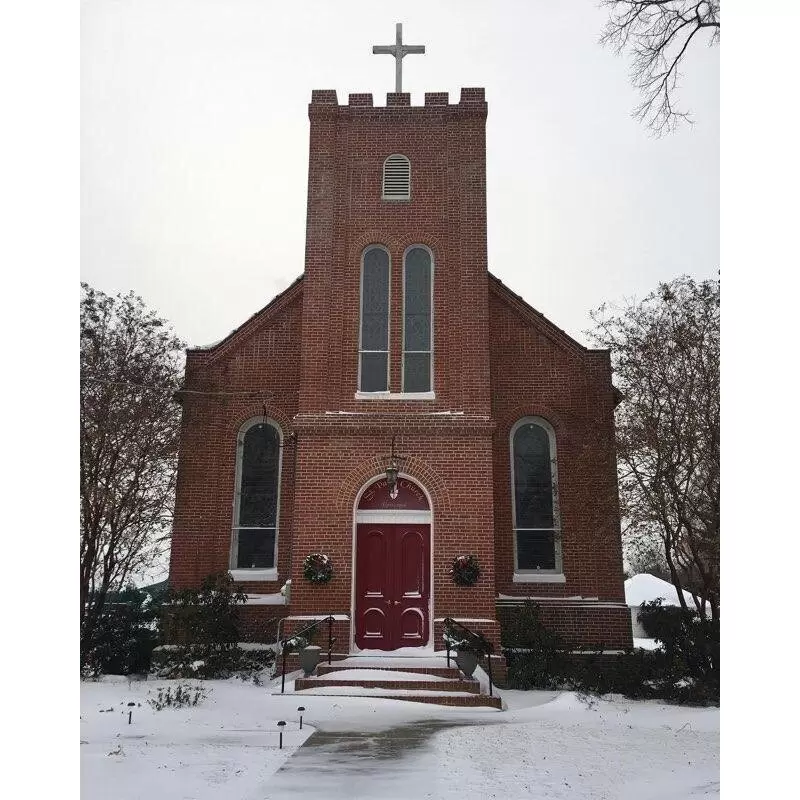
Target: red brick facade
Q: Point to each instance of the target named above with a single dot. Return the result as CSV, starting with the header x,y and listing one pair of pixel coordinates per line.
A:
x,y
495,359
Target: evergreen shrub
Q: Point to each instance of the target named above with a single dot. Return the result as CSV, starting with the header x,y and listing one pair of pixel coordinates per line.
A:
x,y
203,624
684,670
125,635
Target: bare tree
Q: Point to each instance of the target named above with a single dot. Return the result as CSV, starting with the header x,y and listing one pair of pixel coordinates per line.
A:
x,y
657,34
665,353
130,367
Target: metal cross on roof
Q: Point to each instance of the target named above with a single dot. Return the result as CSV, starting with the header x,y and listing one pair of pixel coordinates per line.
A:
x,y
398,50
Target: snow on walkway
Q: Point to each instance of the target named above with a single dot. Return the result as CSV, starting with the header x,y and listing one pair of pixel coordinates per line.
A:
x,y
548,745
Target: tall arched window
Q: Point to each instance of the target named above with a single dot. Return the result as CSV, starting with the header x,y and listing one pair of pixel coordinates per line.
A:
x,y
534,481
417,320
258,480
373,366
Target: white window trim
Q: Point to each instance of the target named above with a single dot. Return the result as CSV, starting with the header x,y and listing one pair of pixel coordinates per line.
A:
x,y
395,198
388,319
538,575
430,352
255,573
395,395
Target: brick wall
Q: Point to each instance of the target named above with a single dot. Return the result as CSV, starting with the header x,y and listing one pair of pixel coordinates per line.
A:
x,y
256,368
537,370
582,626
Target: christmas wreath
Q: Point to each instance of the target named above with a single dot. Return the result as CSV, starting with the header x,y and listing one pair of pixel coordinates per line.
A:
x,y
317,568
465,570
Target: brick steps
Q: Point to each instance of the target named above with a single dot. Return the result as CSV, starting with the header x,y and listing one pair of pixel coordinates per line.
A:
x,y
414,680
468,686
462,699
441,672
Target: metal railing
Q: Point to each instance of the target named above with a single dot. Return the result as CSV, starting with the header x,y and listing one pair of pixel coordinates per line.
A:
x,y
475,642
286,648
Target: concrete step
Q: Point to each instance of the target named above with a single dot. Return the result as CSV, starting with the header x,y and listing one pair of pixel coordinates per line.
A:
x,y
414,695
442,672
440,685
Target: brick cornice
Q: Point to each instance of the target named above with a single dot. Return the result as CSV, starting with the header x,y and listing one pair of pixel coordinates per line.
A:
x,y
373,422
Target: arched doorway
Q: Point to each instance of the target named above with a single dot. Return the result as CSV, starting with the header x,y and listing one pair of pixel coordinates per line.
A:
x,y
392,576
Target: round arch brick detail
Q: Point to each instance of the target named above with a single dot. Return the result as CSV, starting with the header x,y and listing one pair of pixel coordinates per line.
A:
x,y
507,420
372,237
253,411
416,469
396,245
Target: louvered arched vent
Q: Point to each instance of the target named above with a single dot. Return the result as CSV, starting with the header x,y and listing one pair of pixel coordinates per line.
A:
x,y
396,178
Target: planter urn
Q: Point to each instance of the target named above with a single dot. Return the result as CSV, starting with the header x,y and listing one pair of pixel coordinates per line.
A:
x,y
467,661
309,658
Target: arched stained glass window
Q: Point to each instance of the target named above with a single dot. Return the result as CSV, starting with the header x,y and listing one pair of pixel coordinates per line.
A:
x,y
257,495
537,531
373,368
417,320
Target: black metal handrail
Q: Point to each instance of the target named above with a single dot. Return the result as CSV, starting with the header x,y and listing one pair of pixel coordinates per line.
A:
x,y
476,642
285,641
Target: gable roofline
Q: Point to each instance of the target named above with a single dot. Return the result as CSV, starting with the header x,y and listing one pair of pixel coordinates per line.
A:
x,y
213,351
528,311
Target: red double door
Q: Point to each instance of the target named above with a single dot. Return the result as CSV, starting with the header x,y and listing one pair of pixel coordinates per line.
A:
x,y
392,586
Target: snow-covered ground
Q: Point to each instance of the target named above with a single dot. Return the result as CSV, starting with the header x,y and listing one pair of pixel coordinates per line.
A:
x,y
547,745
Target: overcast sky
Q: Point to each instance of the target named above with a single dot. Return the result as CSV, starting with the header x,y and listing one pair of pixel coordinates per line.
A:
x,y
195,148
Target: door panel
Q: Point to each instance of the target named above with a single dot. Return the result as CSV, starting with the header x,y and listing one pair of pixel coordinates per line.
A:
x,y
375,624
392,586
413,564
376,564
413,630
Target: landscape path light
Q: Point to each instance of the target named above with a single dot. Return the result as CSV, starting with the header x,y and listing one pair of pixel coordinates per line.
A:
x,y
281,725
301,709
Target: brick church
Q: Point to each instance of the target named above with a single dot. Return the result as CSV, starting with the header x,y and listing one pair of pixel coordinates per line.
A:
x,y
398,341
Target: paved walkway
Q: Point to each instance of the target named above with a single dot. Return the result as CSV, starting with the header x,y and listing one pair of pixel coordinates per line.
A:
x,y
375,765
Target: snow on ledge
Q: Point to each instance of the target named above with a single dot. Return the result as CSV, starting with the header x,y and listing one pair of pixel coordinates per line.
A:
x,y
536,577
543,597
254,574
646,644
395,395
573,602
276,599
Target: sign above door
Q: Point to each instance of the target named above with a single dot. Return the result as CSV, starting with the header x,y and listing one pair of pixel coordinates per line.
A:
x,y
410,497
